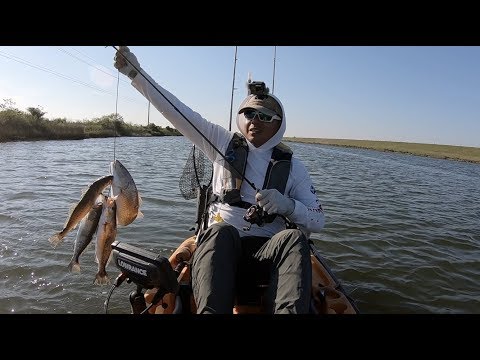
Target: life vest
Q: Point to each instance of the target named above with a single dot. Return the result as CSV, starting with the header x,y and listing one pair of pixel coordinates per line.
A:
x,y
276,176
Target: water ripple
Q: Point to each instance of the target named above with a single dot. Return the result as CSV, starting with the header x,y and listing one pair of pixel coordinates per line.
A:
x,y
402,232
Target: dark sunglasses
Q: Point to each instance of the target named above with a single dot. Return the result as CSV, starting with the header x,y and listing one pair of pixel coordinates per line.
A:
x,y
250,115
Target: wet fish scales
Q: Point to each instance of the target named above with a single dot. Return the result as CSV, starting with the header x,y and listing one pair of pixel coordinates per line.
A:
x,y
86,230
106,233
128,199
82,208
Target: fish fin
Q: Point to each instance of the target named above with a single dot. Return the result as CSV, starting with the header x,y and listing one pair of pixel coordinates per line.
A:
x,y
84,190
93,244
101,280
139,213
110,257
74,266
56,239
70,211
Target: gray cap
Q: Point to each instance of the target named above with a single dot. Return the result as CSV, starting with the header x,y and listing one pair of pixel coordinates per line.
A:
x,y
266,104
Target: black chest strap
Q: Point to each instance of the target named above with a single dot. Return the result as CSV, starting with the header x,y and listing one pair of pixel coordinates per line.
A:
x,y
276,176
278,168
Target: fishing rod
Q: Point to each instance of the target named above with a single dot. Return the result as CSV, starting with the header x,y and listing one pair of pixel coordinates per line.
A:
x,y
201,134
116,117
274,57
233,88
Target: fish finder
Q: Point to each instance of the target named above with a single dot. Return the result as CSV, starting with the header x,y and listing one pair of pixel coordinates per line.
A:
x,y
145,268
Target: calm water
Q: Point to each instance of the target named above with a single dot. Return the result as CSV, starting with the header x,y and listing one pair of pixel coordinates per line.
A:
x,y
402,232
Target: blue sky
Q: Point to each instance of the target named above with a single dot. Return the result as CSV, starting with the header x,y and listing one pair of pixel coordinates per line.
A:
x,y
423,94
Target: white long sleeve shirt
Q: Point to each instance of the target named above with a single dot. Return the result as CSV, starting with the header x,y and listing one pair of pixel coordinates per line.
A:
x,y
308,213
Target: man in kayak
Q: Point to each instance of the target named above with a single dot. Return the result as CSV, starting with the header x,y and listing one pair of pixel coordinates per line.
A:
x,y
232,251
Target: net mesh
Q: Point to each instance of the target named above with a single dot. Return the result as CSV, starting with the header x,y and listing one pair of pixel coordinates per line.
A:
x,y
197,173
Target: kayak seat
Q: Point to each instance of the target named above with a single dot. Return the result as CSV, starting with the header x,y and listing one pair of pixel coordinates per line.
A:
x,y
252,284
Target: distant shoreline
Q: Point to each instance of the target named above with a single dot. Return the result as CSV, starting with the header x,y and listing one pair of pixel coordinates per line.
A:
x,y
451,152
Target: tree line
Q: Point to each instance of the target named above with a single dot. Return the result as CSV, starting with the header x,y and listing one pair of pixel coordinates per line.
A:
x,y
17,125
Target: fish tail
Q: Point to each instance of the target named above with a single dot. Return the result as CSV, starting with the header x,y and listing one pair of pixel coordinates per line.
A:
x,y
74,266
56,239
101,279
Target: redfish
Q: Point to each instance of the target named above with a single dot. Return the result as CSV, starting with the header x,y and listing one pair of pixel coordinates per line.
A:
x,y
82,208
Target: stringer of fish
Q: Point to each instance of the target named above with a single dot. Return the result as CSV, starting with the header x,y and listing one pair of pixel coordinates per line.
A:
x,y
82,208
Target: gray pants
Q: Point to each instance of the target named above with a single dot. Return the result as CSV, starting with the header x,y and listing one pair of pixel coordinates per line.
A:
x,y
221,256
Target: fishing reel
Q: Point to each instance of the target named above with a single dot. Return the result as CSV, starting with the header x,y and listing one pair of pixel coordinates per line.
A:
x,y
256,215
